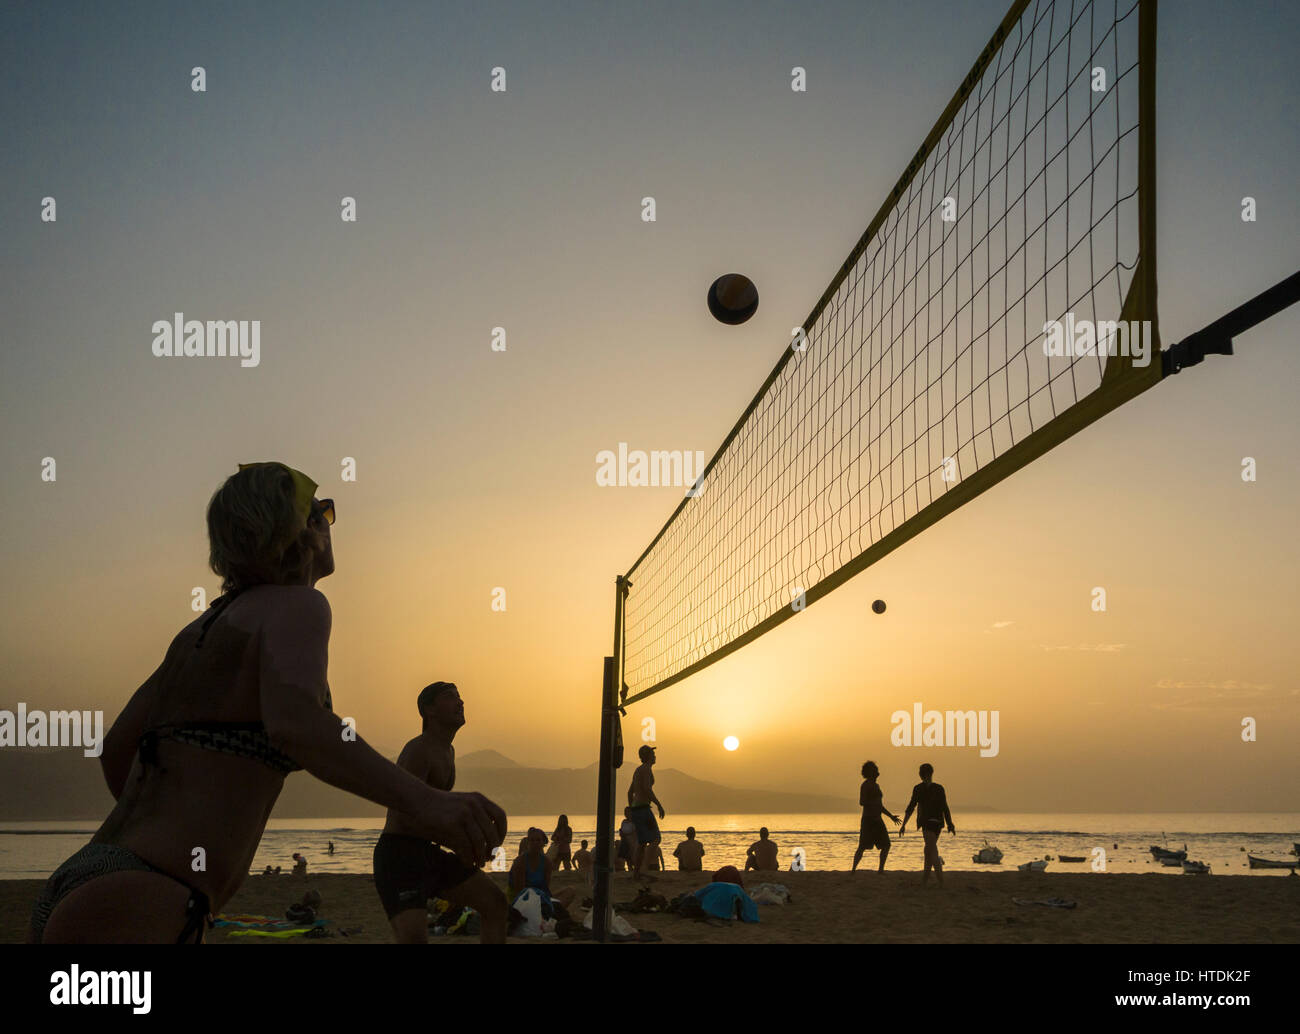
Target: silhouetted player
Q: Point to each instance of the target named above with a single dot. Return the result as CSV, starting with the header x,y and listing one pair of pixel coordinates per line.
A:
x,y
408,868
873,833
640,795
931,805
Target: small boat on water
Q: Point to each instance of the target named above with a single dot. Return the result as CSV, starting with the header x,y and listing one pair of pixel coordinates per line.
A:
x,y
987,855
1161,853
1269,863
1173,863
1038,866
1195,867
1071,858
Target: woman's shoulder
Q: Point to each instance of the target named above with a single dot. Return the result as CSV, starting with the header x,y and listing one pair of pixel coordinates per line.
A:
x,y
299,601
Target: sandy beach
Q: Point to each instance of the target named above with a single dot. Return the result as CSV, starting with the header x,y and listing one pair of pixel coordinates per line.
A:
x,y
844,908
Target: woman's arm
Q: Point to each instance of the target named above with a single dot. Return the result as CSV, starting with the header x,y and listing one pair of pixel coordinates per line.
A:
x,y
123,738
294,651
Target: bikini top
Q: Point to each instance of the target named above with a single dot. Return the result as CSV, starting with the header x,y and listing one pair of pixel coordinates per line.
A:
x,y
242,739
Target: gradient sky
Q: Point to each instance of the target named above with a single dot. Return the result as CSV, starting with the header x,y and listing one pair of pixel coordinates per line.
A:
x,y
477,469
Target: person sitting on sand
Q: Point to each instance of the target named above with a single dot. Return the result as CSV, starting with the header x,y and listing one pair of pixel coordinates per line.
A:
x,y
561,841
199,753
689,853
408,868
872,833
640,795
299,864
654,858
931,804
627,842
533,871
582,858
268,871
762,854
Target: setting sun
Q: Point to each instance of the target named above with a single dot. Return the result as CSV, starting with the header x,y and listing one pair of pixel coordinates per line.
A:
x,y
731,743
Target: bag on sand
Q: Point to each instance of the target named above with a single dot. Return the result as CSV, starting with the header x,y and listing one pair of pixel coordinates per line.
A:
x,y
770,894
529,906
620,927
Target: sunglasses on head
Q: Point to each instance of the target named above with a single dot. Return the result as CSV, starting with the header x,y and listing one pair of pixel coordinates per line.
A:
x,y
323,508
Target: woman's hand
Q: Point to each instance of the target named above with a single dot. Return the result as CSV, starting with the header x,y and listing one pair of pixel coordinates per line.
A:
x,y
467,823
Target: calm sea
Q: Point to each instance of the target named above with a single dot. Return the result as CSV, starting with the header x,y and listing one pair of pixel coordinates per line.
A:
x,y
35,849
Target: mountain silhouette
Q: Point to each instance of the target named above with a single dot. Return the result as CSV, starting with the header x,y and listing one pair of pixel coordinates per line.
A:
x,y
53,784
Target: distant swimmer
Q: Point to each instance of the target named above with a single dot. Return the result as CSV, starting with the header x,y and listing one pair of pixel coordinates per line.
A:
x,y
689,853
330,848
762,854
873,833
409,869
931,805
640,796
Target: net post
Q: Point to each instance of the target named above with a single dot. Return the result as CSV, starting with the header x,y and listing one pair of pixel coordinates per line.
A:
x,y
610,760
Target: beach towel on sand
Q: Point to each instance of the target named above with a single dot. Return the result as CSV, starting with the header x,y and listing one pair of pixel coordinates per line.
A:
x,y
266,923
724,900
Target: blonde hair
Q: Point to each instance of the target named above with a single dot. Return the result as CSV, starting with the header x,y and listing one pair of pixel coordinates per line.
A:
x,y
255,534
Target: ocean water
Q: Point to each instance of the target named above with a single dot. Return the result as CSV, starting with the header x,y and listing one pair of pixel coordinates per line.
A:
x,y
34,849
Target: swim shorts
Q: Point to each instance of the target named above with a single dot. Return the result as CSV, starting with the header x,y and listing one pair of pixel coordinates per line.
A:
x,y
409,871
647,830
873,835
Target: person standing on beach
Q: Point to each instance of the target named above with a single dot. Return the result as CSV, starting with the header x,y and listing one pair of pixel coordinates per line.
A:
x,y
409,869
689,853
762,854
200,752
559,852
931,805
640,795
627,844
873,833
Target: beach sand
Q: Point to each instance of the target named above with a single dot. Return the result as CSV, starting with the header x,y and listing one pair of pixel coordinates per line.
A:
x,y
841,907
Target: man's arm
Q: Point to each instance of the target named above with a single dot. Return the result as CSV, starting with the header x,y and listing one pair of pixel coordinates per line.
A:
x,y
943,795
911,807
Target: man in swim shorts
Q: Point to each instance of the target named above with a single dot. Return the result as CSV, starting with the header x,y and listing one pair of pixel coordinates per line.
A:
x,y
408,868
640,795
931,805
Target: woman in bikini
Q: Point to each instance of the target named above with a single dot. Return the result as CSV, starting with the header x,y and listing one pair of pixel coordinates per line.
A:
x,y
198,756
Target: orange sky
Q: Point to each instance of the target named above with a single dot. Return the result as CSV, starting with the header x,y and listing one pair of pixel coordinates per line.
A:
x,y
477,469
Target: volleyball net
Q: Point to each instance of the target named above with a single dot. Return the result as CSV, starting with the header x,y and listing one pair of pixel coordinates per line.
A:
x,y
1002,299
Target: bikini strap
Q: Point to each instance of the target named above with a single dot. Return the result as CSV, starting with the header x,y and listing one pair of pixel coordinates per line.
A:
x,y
197,911
218,605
